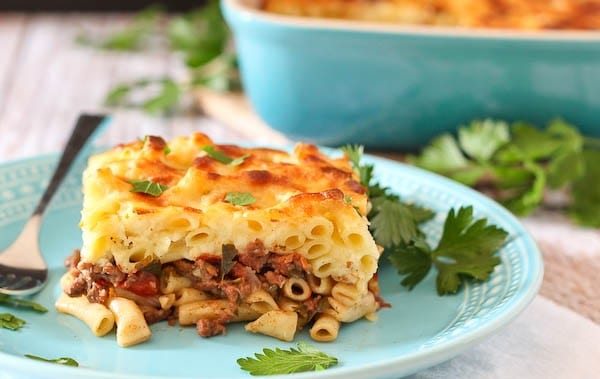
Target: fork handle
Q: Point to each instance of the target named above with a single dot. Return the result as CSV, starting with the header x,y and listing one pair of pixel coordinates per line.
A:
x,y
84,128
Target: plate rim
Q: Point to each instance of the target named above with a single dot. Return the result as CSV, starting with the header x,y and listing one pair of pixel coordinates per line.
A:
x,y
411,362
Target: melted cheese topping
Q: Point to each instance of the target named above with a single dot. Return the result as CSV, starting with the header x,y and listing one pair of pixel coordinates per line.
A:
x,y
305,202
513,14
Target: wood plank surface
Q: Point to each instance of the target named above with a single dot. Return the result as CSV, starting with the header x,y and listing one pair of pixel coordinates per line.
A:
x,y
47,79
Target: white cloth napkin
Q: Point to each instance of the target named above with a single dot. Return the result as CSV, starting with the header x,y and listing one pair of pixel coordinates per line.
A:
x,y
545,341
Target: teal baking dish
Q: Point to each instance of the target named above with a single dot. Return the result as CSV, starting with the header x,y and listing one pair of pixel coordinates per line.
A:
x,y
334,82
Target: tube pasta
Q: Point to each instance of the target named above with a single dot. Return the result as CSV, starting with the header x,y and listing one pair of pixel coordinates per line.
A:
x,y
190,313
322,286
296,289
261,301
189,295
98,318
346,294
352,312
325,328
167,301
288,305
279,324
131,325
245,313
171,282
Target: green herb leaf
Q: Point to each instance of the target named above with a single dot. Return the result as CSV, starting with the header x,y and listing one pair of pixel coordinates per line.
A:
x,y
61,361
393,222
10,321
272,362
166,100
148,187
240,198
222,157
585,192
217,154
525,197
17,302
167,150
467,248
481,139
117,95
445,157
164,96
228,253
412,260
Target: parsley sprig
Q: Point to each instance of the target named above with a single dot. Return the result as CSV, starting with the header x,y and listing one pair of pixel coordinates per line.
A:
x,y
518,163
200,37
466,249
272,362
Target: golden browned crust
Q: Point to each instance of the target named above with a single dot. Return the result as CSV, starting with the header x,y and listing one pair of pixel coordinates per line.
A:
x,y
510,14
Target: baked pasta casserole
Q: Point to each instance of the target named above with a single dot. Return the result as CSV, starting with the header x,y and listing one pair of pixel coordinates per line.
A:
x,y
513,14
204,234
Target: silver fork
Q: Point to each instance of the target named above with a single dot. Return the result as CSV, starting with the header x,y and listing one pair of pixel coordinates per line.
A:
x,y
23,270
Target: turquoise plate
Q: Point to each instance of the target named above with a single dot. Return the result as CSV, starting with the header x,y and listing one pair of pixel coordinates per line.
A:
x,y
420,330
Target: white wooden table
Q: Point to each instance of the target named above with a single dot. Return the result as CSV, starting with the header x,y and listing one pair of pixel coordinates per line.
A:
x,y
46,80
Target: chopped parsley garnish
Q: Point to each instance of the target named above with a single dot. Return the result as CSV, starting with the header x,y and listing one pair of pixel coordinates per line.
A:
x,y
278,361
148,187
240,198
17,302
222,157
467,247
61,361
10,321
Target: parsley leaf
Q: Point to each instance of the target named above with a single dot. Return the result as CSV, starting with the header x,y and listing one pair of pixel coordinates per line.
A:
x,y
10,321
154,95
222,157
445,157
200,37
17,302
304,358
466,250
413,260
516,164
61,361
585,191
481,139
354,154
393,222
240,198
148,187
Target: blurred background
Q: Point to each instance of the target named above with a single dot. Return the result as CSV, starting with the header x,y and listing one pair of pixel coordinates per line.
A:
x,y
106,5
